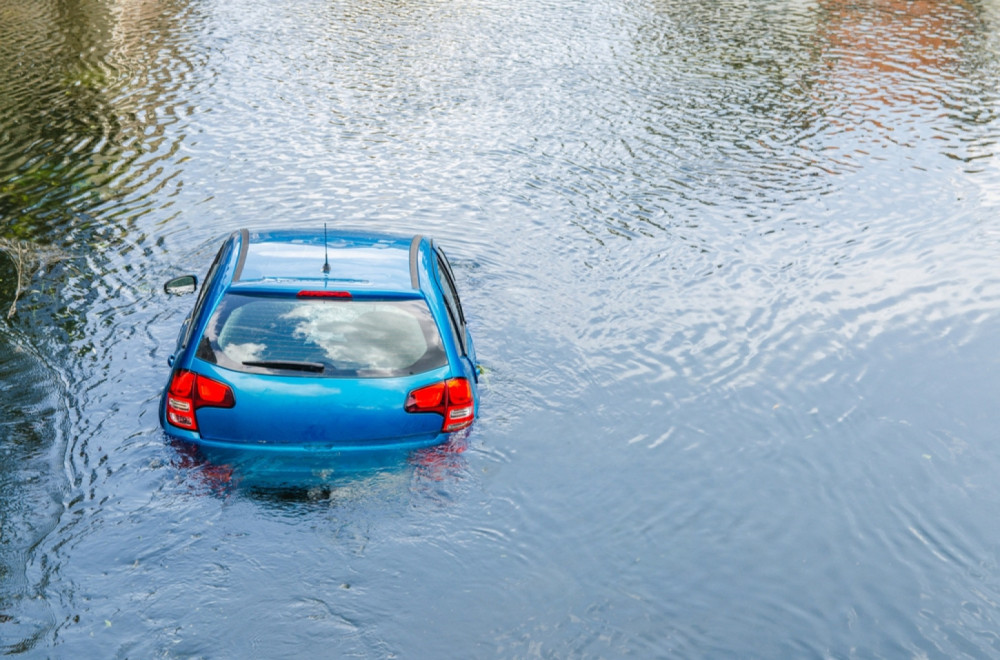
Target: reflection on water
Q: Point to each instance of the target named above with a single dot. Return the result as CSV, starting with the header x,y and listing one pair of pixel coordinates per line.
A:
x,y
84,124
227,471
730,267
31,487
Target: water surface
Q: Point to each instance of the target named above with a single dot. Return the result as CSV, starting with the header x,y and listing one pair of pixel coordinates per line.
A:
x,y
731,271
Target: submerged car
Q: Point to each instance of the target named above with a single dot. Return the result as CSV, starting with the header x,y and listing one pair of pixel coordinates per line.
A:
x,y
308,341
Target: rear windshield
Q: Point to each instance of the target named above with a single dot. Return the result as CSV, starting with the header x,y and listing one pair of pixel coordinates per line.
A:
x,y
322,337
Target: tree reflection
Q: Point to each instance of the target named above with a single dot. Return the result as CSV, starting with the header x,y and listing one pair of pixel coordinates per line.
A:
x,y
84,113
78,141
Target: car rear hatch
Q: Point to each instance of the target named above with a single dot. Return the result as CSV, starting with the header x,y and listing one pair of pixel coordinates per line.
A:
x,y
316,412
320,369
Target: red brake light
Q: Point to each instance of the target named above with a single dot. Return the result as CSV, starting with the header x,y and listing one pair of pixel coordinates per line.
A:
x,y
182,383
213,393
459,391
188,391
451,398
324,294
426,399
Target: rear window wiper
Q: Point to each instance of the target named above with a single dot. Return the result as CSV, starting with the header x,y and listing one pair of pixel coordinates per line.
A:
x,y
289,365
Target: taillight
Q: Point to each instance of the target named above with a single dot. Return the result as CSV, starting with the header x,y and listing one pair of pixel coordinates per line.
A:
x,y
188,391
451,398
324,294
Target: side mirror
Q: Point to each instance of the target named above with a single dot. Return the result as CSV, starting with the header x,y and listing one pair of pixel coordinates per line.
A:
x,y
181,285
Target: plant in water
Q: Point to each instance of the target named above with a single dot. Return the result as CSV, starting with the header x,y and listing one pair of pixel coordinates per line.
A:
x,y
27,258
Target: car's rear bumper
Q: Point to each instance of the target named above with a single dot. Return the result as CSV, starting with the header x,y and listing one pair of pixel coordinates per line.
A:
x,y
305,450
300,465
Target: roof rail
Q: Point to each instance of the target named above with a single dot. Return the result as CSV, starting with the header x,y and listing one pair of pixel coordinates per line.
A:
x,y
414,251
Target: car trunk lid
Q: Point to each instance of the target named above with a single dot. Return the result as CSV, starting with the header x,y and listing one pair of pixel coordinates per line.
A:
x,y
317,412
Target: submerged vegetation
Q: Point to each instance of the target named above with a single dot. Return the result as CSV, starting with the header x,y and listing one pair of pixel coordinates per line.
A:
x,y
27,259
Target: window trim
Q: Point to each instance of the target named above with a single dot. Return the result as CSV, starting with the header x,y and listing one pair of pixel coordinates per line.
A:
x,y
452,302
209,280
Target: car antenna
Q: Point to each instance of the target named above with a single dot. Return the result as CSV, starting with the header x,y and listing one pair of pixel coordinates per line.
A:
x,y
326,252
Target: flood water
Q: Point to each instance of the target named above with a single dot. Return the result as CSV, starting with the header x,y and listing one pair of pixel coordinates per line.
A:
x,y
732,271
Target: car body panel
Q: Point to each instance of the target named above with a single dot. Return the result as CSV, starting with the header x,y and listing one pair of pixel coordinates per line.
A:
x,y
321,412
278,412
355,261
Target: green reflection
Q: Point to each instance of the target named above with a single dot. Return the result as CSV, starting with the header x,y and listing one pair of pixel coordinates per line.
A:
x,y
87,92
57,122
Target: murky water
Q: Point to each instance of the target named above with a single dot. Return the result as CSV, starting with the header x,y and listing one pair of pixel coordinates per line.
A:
x,y
731,268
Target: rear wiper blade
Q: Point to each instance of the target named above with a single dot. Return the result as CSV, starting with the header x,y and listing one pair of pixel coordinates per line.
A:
x,y
290,365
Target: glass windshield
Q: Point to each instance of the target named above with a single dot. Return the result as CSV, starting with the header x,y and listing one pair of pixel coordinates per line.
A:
x,y
323,337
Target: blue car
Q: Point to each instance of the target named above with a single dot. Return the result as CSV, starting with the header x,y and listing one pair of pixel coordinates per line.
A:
x,y
308,341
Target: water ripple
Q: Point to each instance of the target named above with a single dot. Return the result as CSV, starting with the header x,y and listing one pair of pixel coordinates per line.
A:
x,y
731,271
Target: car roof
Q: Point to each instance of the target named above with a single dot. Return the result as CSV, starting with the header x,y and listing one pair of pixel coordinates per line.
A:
x,y
289,258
